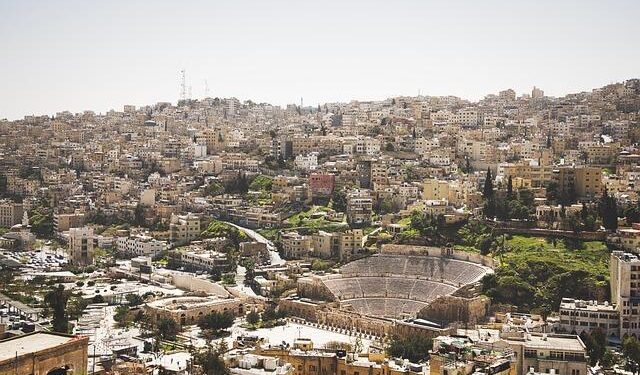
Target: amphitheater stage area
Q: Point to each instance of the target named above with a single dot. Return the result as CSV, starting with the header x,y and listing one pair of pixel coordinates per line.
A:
x,y
399,286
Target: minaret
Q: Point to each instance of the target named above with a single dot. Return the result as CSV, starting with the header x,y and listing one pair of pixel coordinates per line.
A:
x,y
25,219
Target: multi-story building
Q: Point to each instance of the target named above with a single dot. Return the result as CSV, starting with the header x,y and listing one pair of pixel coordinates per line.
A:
x,y
585,181
629,238
184,228
435,189
63,222
537,93
625,290
141,245
321,185
578,316
359,208
295,245
10,213
81,246
547,353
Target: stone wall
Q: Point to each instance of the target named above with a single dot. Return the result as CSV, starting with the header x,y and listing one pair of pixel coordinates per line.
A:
x,y
71,355
450,309
195,284
314,288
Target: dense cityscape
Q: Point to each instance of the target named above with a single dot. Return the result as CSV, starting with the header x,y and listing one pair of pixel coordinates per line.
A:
x,y
412,235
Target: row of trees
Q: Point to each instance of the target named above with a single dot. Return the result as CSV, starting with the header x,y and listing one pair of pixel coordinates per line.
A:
x,y
510,205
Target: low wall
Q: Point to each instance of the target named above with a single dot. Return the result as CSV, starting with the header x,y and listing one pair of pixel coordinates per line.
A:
x,y
196,284
585,236
438,252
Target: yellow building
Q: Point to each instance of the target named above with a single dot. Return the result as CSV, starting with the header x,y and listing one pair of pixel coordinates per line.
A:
x,y
585,181
434,189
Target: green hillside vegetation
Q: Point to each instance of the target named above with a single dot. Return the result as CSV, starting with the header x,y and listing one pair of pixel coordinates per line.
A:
x,y
218,228
536,273
312,219
261,182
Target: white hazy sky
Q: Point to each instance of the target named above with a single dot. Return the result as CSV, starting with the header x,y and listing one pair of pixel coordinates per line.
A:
x,y
98,55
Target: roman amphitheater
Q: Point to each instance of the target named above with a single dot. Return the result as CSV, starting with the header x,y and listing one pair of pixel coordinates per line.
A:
x,y
399,282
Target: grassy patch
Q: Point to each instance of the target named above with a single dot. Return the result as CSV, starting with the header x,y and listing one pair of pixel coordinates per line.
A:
x,y
536,272
591,256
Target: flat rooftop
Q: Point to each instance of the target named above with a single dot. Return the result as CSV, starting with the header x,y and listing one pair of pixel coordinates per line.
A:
x,y
551,342
35,342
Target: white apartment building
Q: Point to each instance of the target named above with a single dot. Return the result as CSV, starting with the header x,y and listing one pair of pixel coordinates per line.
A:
x,y
308,162
466,117
141,245
625,290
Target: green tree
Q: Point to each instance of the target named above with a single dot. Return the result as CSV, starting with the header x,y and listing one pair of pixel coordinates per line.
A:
x,y
609,212
122,316
510,188
269,314
134,300
552,192
253,318
261,182
216,321
138,215
211,363
339,200
319,265
632,214
414,348
608,359
57,299
167,329
631,348
487,190
596,342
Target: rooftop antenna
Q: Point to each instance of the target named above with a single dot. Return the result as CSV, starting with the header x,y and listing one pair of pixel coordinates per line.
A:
x,y
189,92
206,89
183,85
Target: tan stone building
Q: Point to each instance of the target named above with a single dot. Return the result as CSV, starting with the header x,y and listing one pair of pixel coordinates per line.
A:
x,y
44,353
64,222
186,310
184,228
295,245
81,245
10,213
585,181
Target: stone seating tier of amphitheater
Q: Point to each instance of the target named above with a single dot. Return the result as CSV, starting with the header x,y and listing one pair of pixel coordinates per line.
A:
x,y
393,285
389,287
386,307
446,270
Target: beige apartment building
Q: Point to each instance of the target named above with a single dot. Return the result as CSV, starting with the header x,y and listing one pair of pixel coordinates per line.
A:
x,y
81,246
64,222
184,228
586,180
625,290
533,175
435,189
10,213
295,245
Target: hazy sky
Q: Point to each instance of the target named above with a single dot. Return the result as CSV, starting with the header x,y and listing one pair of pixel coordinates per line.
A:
x,y
98,55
